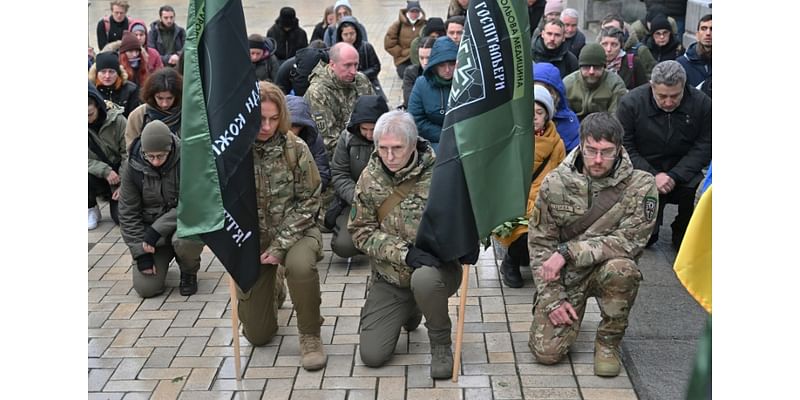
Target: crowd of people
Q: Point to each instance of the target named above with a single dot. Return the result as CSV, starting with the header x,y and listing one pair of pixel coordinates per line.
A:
x,y
621,127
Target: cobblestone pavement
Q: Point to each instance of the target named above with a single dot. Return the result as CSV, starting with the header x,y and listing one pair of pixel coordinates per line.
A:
x,y
173,346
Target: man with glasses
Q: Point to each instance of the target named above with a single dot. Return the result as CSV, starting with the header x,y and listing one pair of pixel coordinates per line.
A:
x,y
592,88
668,134
588,227
148,213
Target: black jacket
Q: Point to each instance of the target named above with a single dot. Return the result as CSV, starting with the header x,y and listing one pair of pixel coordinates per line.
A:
x,y
126,97
288,41
368,61
562,58
678,143
300,114
293,73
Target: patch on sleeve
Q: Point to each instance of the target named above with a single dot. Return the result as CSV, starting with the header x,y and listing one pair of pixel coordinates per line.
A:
x,y
319,119
352,213
650,207
535,216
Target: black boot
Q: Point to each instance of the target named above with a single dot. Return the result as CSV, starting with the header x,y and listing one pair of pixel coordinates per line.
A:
x,y
188,285
509,272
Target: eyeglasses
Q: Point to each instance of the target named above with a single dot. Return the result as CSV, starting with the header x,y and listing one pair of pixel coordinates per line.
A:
x,y
156,157
661,33
605,154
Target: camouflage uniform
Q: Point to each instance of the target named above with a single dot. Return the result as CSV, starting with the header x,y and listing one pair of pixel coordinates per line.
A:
x,y
332,102
288,188
397,291
602,258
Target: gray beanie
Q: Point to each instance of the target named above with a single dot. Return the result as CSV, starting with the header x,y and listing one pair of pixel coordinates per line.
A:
x,y
156,137
542,96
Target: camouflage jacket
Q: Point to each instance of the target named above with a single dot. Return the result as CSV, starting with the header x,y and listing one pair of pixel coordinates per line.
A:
x,y
387,243
622,232
332,101
288,193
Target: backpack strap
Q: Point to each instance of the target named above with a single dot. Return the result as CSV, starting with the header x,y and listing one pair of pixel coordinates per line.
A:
x,y
602,203
629,57
400,192
541,168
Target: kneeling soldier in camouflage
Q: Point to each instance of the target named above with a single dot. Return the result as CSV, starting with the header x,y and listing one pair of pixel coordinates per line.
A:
x,y
406,282
589,225
288,189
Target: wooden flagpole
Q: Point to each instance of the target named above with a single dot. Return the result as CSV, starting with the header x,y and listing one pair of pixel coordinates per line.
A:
x,y
460,327
235,325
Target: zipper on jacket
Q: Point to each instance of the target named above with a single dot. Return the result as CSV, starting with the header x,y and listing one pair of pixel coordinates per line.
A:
x,y
442,105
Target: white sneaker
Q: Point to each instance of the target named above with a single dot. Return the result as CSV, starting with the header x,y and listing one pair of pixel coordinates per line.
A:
x,y
94,217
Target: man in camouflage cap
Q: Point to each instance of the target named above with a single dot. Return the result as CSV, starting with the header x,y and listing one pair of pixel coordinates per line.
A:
x,y
588,227
406,281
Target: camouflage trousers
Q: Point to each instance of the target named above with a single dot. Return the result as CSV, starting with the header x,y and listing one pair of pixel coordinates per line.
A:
x,y
614,284
258,309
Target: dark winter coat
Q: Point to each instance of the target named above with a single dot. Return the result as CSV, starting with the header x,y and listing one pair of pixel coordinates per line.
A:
x,y
301,115
114,33
353,150
293,73
671,51
110,137
575,43
156,41
368,61
288,41
678,142
428,102
562,58
267,69
698,69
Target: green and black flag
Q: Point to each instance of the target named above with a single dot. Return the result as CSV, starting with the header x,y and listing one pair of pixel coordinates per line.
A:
x,y
220,121
483,167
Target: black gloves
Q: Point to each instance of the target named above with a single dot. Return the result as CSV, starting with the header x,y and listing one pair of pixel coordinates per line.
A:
x,y
151,236
417,258
145,261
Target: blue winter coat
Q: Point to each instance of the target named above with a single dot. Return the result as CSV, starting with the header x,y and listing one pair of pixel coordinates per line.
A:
x,y
566,121
301,115
428,102
697,70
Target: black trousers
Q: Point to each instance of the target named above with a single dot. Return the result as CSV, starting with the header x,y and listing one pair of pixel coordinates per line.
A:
x,y
517,253
683,196
98,187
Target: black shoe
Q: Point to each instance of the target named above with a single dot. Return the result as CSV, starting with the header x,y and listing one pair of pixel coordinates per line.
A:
x,y
413,322
510,274
188,284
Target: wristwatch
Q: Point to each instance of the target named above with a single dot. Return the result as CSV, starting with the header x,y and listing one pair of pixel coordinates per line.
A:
x,y
563,249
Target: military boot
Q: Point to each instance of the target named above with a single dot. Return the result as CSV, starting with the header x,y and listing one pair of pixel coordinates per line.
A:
x,y
509,272
606,360
280,286
441,361
313,354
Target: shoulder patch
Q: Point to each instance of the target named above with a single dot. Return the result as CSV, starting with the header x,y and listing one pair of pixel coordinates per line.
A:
x,y
535,214
650,207
319,119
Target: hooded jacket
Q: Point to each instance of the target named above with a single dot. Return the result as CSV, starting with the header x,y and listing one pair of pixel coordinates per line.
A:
x,y
561,57
566,120
428,102
353,150
332,100
123,93
698,69
110,138
400,34
152,58
301,115
386,243
368,62
156,40
622,232
671,51
677,142
293,73
149,197
288,41
604,97
548,147
330,33
267,67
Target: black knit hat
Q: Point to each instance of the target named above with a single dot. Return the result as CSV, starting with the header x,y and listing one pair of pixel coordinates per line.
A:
x,y
660,22
107,60
287,18
435,24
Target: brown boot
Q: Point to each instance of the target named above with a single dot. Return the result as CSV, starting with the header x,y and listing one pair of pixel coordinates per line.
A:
x,y
606,360
313,354
280,286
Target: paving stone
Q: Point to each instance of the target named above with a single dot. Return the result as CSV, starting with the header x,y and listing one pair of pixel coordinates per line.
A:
x,y
130,386
120,352
339,365
473,353
228,369
548,381
128,369
617,382
319,394
213,309
499,358
216,395
419,376
271,372
311,379
391,388
126,323
477,393
159,342
96,319
167,389
498,342
161,357
196,362
506,387
200,379
278,389
608,394
263,356
387,371
435,394
164,373
244,384
465,381
98,378
126,337
189,331
103,363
